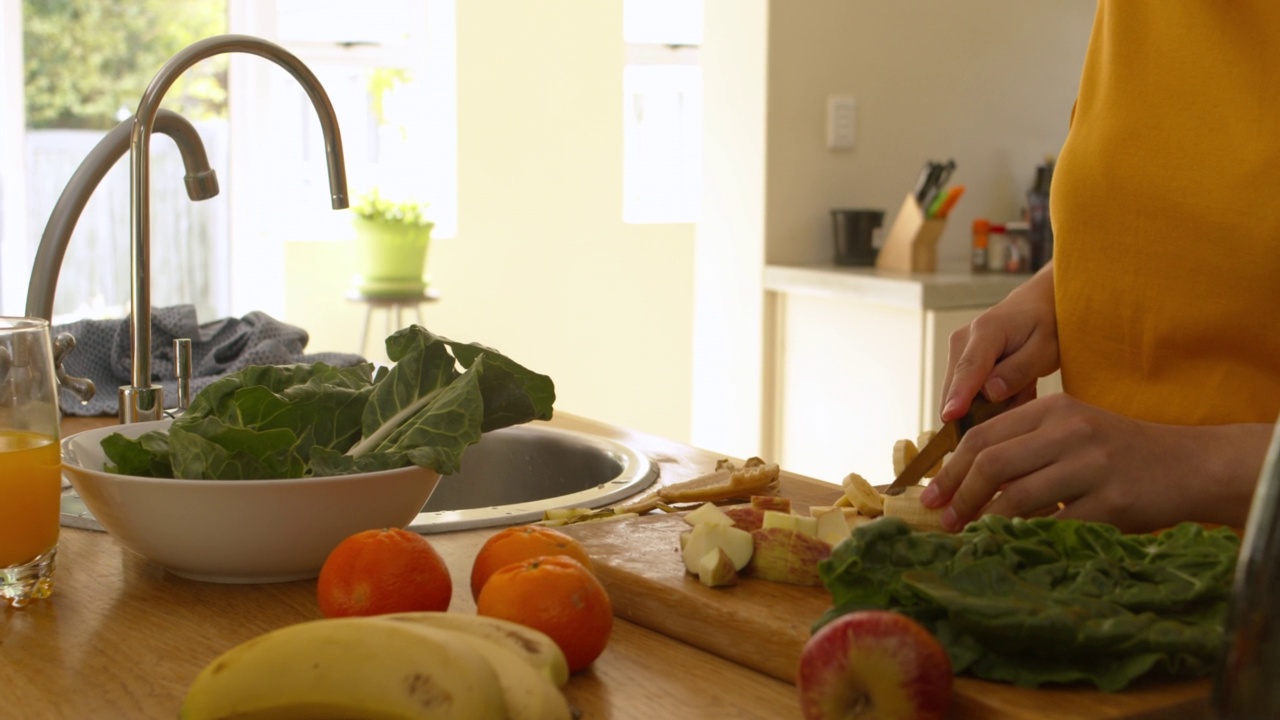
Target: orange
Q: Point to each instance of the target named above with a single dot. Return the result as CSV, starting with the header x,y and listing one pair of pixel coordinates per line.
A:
x,y
557,595
383,571
521,543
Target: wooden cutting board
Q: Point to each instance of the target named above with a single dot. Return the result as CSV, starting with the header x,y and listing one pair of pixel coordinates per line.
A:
x,y
764,625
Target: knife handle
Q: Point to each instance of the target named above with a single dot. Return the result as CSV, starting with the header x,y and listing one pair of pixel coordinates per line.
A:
x,y
980,411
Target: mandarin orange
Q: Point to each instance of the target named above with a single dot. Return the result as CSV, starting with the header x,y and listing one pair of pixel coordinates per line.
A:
x,y
522,542
557,595
383,571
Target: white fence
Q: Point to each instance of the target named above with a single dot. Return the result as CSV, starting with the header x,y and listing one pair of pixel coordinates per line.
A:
x,y
189,240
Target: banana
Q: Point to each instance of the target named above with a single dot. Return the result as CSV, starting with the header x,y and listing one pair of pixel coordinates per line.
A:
x,y
862,495
349,668
922,440
907,506
538,649
527,693
904,451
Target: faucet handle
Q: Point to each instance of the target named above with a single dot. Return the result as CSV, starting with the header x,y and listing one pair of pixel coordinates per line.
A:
x,y
82,388
182,369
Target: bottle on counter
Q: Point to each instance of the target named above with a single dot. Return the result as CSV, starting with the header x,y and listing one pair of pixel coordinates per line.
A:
x,y
981,241
1018,257
1040,230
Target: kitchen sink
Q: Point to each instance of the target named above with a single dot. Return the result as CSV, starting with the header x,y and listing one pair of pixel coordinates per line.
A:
x,y
510,477
515,474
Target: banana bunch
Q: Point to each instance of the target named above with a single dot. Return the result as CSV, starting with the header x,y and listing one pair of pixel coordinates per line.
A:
x,y
422,665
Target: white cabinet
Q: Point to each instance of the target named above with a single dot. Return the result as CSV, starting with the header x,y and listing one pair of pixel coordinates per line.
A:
x,y
856,361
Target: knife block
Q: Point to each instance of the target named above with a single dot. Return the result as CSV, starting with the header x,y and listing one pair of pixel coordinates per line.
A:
x,y
912,242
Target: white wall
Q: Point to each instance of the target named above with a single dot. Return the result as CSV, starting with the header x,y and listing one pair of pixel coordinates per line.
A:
x,y
988,82
542,267
649,327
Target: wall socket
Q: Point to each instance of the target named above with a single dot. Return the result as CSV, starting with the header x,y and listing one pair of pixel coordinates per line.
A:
x,y
841,115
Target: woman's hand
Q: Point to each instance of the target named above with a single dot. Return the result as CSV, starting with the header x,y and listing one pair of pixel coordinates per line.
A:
x,y
1059,456
1005,350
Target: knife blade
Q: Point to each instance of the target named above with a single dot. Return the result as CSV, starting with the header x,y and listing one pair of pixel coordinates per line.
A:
x,y
944,441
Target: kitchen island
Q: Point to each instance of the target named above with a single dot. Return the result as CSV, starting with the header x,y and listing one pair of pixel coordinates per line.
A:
x,y
122,638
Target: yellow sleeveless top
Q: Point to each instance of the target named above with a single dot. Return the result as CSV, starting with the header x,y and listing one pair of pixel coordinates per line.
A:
x,y
1165,205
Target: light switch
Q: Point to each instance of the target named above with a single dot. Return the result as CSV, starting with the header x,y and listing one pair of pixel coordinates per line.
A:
x,y
841,113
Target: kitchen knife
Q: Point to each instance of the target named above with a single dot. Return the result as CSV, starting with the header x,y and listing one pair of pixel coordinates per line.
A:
x,y
944,441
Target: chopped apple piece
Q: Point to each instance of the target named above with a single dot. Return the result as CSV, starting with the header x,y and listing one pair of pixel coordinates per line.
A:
x,y
745,517
705,537
708,512
771,502
783,520
787,556
833,528
807,525
715,569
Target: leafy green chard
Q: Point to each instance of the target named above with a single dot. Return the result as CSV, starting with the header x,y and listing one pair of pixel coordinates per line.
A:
x,y
1047,601
293,421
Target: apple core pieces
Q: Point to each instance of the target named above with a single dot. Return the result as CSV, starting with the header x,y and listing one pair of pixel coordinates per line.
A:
x,y
874,664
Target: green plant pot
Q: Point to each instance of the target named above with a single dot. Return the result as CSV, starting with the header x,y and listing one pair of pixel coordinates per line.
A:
x,y
392,259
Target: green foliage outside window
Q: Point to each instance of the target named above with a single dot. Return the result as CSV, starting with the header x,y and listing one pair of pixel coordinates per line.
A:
x,y
87,62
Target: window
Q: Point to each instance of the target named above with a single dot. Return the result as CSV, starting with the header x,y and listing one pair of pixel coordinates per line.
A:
x,y
389,72
74,70
387,68
662,111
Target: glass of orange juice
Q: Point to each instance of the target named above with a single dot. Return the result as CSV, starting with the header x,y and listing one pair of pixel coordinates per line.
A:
x,y
30,464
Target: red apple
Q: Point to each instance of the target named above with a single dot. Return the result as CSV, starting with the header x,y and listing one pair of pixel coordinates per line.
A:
x,y
874,665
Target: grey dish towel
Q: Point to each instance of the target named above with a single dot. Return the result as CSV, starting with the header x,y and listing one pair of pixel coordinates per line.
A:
x,y
218,348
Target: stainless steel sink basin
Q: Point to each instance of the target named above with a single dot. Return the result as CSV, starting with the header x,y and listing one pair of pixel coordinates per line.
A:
x,y
515,474
510,477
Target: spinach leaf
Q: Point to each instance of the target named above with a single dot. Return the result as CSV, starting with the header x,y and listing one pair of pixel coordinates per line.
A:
x,y
1047,601
303,420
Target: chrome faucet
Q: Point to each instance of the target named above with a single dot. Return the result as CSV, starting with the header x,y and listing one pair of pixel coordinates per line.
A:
x,y
201,182
1245,686
142,400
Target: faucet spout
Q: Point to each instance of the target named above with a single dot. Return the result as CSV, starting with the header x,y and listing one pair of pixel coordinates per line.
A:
x,y
142,400
201,182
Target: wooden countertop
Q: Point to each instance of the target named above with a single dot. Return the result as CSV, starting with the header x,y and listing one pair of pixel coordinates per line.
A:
x,y
122,638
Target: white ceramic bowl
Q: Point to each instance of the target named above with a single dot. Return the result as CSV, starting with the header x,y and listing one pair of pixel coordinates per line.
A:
x,y
238,531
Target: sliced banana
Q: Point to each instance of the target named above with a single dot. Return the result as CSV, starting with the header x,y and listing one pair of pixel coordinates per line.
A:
x,y
907,507
862,495
904,451
923,440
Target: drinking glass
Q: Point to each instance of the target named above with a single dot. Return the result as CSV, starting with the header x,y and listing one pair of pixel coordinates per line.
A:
x,y
30,464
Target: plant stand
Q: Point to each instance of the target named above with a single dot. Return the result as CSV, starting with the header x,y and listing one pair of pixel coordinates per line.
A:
x,y
394,306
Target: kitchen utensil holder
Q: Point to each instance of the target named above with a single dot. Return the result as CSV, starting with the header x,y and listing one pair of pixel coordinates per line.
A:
x,y
912,242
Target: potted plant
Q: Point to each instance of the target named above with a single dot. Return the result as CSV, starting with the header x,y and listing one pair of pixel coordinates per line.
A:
x,y
391,244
